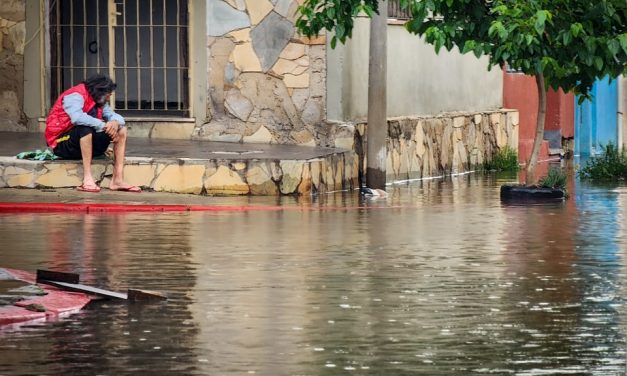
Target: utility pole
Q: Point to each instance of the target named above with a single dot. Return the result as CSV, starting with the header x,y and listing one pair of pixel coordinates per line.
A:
x,y
377,131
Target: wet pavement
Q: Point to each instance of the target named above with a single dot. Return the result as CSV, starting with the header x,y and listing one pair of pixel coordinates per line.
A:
x,y
106,196
440,278
13,143
187,166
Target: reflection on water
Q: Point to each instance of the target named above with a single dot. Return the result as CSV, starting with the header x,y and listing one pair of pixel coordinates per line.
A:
x,y
439,279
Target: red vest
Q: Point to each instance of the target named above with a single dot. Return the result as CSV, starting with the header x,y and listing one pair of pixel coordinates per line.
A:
x,y
58,121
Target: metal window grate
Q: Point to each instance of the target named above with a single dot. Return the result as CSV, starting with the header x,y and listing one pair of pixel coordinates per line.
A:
x,y
151,57
145,50
395,11
80,42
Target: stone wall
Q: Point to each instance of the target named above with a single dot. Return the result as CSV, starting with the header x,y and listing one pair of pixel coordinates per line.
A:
x,y
266,82
449,143
12,39
333,172
417,147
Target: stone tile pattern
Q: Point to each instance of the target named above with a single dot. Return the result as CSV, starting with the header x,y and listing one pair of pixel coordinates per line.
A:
x,y
266,82
208,177
417,147
12,40
447,144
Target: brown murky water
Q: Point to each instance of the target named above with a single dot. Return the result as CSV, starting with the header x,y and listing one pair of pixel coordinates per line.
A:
x,y
439,279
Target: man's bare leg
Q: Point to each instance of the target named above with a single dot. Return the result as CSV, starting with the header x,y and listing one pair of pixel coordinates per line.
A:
x,y
86,155
119,150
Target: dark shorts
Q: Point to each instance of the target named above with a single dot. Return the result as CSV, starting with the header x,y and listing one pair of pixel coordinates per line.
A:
x,y
69,147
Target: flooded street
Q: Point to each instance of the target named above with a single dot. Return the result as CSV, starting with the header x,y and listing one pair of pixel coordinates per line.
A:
x,y
440,278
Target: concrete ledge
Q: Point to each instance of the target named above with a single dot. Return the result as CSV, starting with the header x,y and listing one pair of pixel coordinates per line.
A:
x,y
196,176
186,166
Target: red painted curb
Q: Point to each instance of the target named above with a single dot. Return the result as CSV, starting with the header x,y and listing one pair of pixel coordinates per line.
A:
x,y
56,207
57,302
47,207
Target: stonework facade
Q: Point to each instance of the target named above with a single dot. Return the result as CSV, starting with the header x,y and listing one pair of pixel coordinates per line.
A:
x,y
417,147
266,82
420,147
12,40
338,171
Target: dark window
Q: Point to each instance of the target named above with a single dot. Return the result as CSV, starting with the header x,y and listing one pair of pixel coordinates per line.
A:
x,y
80,42
149,52
395,11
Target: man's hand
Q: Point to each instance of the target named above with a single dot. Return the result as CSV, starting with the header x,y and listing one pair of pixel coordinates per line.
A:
x,y
111,128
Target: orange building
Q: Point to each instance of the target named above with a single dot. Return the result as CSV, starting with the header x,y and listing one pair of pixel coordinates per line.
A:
x,y
520,92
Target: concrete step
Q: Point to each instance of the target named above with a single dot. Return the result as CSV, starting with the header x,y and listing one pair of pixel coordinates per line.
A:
x,y
556,151
188,166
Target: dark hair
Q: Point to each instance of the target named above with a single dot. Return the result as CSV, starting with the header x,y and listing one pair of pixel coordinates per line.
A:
x,y
99,85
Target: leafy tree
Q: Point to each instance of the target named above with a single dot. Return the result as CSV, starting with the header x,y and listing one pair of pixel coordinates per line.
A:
x,y
566,44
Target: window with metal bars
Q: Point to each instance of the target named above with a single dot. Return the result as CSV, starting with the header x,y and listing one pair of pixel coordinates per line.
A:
x,y
395,11
143,47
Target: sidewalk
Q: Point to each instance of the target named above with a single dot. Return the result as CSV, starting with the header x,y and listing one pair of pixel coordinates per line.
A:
x,y
105,196
187,166
12,143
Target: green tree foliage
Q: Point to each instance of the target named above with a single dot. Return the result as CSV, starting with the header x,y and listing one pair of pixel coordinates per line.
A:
x,y
333,15
566,44
572,43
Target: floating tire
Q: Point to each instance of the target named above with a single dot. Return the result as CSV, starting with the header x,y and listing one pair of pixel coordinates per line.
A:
x,y
522,192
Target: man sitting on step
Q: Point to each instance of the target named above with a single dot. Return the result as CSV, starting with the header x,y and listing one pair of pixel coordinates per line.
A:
x,y
81,125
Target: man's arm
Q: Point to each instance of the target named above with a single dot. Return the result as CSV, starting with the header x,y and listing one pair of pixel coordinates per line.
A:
x,y
73,106
109,115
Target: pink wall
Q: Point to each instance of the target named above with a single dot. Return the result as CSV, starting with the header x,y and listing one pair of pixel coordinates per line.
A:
x,y
560,112
520,92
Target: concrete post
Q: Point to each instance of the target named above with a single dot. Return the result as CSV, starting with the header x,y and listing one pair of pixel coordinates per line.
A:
x,y
376,135
33,100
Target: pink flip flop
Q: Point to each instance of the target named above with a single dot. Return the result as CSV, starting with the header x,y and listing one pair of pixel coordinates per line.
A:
x,y
131,188
94,189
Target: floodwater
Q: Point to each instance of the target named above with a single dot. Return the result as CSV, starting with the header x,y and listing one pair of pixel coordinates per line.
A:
x,y
441,278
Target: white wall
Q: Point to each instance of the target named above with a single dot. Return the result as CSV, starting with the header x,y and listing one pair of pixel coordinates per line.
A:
x,y
419,81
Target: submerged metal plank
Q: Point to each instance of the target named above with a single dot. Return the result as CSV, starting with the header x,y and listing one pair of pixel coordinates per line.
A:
x,y
86,289
145,295
50,275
